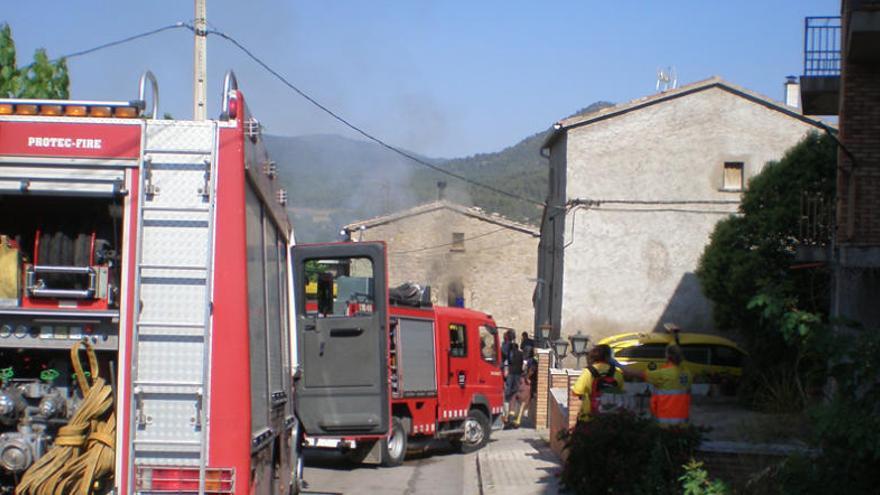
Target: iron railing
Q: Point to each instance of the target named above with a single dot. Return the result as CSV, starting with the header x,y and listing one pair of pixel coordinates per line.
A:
x,y
822,46
816,223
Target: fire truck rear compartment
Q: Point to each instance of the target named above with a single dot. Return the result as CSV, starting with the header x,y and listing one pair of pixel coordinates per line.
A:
x,y
59,258
69,234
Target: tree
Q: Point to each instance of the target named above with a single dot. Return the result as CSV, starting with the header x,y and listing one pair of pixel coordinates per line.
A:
x,y
42,79
752,254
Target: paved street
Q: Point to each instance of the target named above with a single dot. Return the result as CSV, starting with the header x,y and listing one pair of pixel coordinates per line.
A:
x,y
513,462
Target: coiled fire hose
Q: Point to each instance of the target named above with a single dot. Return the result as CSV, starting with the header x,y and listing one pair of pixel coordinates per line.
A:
x,y
82,458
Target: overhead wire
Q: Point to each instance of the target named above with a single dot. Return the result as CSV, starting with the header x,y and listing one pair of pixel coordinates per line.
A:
x,y
575,202
364,133
176,25
426,248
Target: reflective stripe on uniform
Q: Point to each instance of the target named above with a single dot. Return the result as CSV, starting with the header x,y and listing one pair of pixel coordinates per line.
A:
x,y
670,392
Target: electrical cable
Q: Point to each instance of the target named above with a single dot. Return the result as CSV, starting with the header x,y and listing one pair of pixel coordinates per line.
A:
x,y
364,133
176,25
484,234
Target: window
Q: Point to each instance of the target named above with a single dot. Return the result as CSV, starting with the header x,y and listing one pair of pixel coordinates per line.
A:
x,y
696,353
733,176
648,351
726,356
457,242
455,293
333,291
488,347
457,342
256,283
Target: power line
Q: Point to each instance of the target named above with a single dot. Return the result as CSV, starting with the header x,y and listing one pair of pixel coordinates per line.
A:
x,y
669,202
176,25
364,133
484,234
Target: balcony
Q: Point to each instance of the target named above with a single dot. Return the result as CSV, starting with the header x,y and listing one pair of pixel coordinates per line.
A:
x,y
820,83
863,31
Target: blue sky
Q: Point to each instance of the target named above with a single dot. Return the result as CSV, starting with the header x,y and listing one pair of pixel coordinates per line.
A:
x,y
443,78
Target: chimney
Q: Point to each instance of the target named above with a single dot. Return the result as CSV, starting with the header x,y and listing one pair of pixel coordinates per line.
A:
x,y
792,92
441,190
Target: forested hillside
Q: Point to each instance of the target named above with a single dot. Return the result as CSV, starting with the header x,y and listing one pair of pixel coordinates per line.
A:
x,y
333,180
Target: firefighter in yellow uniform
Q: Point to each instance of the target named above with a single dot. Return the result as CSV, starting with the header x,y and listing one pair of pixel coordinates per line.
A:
x,y
671,396
584,386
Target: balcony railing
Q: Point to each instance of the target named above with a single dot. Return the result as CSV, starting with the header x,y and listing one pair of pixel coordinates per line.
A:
x,y
816,220
822,46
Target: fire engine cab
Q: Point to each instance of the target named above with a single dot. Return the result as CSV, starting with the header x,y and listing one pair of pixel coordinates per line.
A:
x,y
367,352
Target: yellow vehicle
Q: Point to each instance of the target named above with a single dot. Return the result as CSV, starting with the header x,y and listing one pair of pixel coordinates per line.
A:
x,y
711,359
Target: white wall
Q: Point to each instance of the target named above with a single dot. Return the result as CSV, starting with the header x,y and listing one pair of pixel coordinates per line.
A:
x,y
633,270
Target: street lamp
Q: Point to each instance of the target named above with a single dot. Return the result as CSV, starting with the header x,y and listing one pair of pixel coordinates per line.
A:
x,y
579,345
560,348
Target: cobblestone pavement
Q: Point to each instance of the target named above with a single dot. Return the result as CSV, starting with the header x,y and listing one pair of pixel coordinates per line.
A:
x,y
518,461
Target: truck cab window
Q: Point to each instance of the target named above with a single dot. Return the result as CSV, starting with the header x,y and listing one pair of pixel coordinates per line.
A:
x,y
488,344
457,342
339,287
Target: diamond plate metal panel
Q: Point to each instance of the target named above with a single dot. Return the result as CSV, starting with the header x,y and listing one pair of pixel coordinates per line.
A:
x,y
162,456
170,418
173,270
180,184
174,300
171,358
175,242
180,136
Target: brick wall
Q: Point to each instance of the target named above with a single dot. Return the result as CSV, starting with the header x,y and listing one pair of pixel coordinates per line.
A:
x,y
858,186
543,390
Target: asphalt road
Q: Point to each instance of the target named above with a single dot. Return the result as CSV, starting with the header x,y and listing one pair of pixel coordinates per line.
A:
x,y
437,471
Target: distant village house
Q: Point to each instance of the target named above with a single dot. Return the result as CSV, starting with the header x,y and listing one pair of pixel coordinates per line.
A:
x,y
469,257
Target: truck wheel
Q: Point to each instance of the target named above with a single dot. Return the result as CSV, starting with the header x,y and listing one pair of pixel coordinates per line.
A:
x,y
476,432
394,447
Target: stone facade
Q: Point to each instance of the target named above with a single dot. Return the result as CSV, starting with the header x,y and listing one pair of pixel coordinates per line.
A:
x,y
485,259
636,190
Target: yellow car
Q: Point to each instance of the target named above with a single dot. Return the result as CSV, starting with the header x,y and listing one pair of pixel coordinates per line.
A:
x,y
711,359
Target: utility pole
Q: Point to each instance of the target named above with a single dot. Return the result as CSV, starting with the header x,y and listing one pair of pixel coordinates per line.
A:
x,y
200,61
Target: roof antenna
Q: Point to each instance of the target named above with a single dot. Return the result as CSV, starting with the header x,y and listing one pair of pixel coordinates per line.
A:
x,y
666,79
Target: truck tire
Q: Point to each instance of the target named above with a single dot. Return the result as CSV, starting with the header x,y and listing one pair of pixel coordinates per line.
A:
x,y
476,432
394,446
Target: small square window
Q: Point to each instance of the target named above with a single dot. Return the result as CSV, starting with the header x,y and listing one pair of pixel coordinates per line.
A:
x,y
457,241
733,176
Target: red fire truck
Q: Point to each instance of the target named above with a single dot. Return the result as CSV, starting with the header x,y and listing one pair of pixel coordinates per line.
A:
x,y
164,245
443,363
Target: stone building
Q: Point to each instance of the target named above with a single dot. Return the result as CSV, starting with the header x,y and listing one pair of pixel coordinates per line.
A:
x,y
635,191
468,257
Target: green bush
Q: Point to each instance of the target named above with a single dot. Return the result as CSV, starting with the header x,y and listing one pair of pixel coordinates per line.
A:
x,y
695,481
623,453
846,426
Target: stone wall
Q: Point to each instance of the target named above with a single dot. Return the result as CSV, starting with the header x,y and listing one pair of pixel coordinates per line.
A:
x,y
496,266
630,267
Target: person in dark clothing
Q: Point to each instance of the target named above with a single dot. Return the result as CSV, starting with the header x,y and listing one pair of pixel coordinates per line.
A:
x,y
527,345
514,370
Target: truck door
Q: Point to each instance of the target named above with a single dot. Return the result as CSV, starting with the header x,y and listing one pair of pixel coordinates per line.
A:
x,y
342,339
